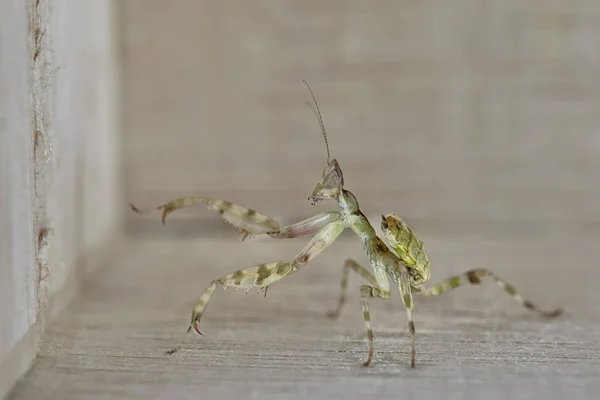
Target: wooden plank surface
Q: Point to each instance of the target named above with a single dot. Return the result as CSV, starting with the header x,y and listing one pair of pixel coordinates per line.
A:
x,y
472,343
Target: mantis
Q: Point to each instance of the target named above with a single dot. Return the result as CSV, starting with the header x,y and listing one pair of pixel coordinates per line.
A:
x,y
403,262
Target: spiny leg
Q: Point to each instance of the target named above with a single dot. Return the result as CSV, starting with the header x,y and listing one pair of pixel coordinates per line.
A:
x,y
367,291
258,276
261,275
264,275
319,242
365,273
474,277
246,221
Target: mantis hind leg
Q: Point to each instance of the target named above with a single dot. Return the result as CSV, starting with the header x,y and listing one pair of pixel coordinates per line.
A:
x,y
474,277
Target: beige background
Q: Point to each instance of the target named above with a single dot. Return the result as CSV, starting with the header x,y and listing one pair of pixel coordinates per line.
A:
x,y
477,121
462,111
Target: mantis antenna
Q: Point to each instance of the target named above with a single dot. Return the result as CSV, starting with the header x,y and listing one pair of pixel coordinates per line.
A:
x,y
320,119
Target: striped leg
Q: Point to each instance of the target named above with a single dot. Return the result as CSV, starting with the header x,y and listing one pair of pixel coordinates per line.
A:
x,y
367,291
308,226
474,277
319,242
362,271
246,221
259,276
406,293
264,275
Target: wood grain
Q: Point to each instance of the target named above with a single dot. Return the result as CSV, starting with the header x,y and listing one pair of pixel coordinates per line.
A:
x,y
472,343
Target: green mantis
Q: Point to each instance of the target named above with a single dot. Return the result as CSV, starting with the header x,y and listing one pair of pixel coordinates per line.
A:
x,y
403,262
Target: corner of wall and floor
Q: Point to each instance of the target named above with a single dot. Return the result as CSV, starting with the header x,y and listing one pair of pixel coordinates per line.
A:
x,y
58,163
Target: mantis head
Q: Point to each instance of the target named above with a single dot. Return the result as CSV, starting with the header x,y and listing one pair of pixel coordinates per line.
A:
x,y
332,181
330,185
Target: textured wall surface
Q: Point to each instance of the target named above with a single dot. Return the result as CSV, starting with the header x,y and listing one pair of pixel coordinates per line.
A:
x,y
18,271
463,110
58,161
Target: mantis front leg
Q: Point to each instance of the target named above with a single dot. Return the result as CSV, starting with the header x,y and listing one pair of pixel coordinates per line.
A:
x,y
264,275
306,227
246,221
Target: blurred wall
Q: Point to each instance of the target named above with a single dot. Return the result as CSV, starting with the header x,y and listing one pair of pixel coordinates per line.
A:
x,y
440,111
59,162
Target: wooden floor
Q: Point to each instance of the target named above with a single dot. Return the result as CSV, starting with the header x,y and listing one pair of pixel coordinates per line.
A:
x,y
472,343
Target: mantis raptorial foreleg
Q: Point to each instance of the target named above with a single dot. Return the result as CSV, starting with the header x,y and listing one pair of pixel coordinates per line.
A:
x,y
264,275
474,277
259,276
308,226
246,221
